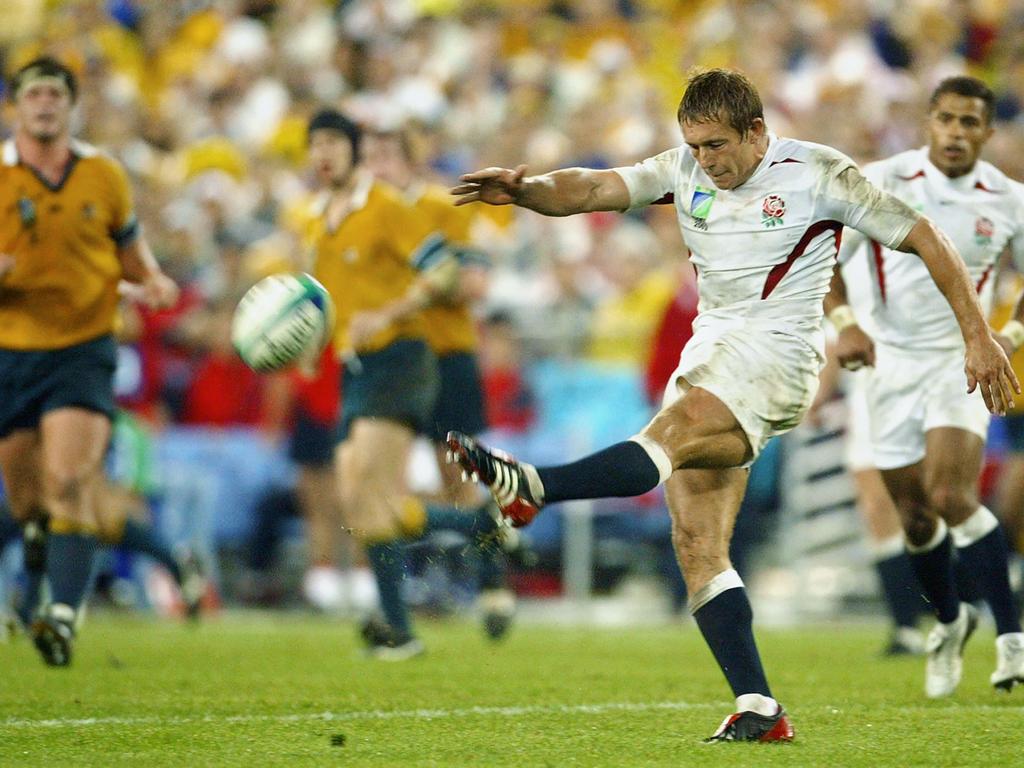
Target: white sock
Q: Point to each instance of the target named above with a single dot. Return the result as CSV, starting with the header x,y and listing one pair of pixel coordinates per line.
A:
x,y
974,528
755,702
657,455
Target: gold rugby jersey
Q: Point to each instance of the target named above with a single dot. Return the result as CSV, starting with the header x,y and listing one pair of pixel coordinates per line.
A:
x,y
64,239
369,259
449,327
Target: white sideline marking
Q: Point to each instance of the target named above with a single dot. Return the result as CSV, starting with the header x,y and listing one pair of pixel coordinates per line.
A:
x,y
373,714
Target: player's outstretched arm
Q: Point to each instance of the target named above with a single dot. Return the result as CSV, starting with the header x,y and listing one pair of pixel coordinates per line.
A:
x,y
559,193
853,348
986,364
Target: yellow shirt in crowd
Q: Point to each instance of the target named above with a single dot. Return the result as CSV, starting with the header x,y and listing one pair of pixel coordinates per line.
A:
x,y
64,239
1008,290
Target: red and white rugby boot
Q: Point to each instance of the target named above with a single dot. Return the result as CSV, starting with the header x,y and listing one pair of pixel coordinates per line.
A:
x,y
750,726
514,485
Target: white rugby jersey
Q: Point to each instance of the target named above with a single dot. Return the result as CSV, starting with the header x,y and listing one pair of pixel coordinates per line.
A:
x,y
982,212
766,249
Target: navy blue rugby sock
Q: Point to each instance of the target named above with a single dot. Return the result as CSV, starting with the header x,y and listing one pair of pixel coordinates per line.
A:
x,y
387,559
623,469
725,618
933,566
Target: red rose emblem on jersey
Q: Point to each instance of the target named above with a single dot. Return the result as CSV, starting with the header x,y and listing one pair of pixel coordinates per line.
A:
x,y
772,210
984,229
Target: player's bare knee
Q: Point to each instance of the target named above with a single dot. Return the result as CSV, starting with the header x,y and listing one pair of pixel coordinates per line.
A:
x,y
918,526
951,502
67,488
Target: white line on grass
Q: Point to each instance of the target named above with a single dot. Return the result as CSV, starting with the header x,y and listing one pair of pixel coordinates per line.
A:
x,y
440,714
373,714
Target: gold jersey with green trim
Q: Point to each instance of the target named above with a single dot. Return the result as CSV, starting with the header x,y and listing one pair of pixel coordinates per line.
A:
x,y
369,259
65,239
450,327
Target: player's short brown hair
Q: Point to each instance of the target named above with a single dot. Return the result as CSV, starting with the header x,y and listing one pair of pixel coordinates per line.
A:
x,y
721,94
44,66
971,87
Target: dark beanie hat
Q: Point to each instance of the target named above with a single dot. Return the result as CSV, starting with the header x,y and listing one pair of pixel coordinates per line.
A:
x,y
332,120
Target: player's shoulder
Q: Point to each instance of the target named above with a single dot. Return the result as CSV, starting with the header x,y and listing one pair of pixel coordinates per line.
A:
x,y
678,158
92,156
380,194
435,194
988,178
820,160
903,166
799,149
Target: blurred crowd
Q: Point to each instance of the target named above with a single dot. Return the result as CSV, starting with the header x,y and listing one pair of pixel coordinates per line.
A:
x,y
205,102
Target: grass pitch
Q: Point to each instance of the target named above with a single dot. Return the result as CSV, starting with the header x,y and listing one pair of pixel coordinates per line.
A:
x,y
252,690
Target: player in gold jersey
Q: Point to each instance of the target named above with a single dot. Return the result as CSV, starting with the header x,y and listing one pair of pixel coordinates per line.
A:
x,y
382,263
451,332
68,238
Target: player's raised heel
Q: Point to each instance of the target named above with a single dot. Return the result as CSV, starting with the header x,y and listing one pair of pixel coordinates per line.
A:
x,y
193,583
384,644
945,650
501,473
1009,662
750,726
53,634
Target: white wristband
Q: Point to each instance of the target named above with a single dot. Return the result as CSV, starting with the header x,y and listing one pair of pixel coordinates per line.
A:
x,y
1014,331
842,318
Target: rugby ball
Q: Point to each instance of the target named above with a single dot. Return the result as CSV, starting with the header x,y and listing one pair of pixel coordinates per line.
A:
x,y
281,320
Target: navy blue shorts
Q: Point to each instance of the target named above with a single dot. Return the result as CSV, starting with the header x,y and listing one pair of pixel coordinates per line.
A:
x,y
460,405
34,382
312,442
397,383
1014,425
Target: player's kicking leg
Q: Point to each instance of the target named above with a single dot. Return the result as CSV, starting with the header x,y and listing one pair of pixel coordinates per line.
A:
x,y
695,431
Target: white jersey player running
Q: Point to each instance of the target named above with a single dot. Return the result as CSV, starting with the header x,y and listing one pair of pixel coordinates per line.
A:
x,y
761,216
927,431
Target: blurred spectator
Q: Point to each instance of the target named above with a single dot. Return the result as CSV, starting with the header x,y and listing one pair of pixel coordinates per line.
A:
x,y
508,400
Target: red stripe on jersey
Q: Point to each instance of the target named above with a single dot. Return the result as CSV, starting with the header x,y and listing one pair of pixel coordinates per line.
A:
x,y
779,270
876,249
983,188
668,198
918,175
787,160
983,279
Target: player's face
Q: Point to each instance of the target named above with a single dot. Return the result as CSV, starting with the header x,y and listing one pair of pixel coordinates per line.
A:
x,y
330,154
957,130
726,156
384,157
44,110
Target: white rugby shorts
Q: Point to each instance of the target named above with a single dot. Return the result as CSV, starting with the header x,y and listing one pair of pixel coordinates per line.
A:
x,y
765,374
911,392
